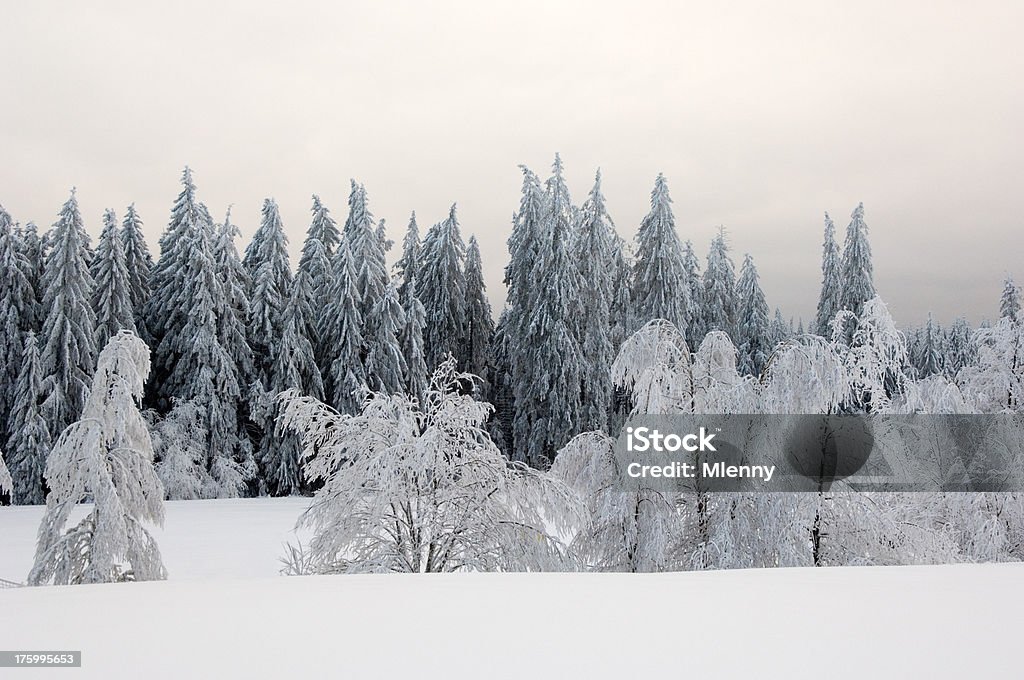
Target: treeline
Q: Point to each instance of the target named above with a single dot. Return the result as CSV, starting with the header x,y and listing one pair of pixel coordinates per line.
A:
x,y
230,331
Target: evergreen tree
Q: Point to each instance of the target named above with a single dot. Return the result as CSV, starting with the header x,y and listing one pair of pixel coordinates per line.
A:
x,y
29,441
321,241
479,322
266,261
293,368
660,286
779,329
830,299
695,331
596,255
930,353
385,363
441,287
408,265
858,271
34,252
1009,303
18,311
411,339
139,264
112,294
548,391
342,334
69,331
719,295
753,331
960,349
232,308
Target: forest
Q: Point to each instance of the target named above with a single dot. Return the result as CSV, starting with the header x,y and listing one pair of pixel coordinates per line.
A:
x,y
432,435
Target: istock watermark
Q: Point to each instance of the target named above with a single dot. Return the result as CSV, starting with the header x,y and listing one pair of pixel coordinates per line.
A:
x,y
812,453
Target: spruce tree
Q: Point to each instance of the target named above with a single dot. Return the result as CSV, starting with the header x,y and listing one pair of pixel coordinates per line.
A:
x,y
139,264
321,241
1009,302
479,322
69,331
29,439
112,294
858,271
441,287
411,339
660,286
548,390
34,252
18,313
408,265
266,261
232,308
695,331
596,254
830,299
341,331
930,353
960,349
753,326
719,295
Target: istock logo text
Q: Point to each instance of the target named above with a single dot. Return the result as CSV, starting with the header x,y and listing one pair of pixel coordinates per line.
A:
x,y
646,439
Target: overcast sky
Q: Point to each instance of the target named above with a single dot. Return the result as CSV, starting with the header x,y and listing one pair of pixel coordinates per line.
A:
x,y
762,115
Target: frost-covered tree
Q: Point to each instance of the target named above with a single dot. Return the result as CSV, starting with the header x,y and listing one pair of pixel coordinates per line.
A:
x,y
596,251
112,294
411,339
830,300
106,456
69,331
691,263
929,355
322,239
779,328
441,287
660,286
232,307
29,439
876,358
408,265
179,441
422,488
1009,302
18,311
996,379
6,485
719,295
341,331
550,374
857,269
960,348
479,322
753,326
294,369
384,320
266,260
139,264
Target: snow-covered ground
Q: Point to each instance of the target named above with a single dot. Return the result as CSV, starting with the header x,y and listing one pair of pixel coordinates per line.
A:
x,y
225,614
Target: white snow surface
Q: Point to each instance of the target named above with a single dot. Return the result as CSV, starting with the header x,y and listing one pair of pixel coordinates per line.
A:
x,y
224,613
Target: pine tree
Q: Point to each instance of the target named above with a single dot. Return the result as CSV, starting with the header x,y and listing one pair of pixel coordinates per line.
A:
x,y
321,241
408,265
139,264
342,334
719,296
18,312
858,271
779,328
753,331
960,349
441,287
660,286
1009,303
232,308
411,339
112,294
596,255
294,368
547,387
930,354
479,322
266,261
830,299
695,331
34,252
69,331
385,363
29,441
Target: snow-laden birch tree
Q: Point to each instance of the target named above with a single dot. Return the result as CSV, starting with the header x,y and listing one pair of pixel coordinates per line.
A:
x,y
106,456
421,487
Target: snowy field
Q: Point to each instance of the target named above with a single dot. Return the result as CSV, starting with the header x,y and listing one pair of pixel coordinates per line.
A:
x,y
225,613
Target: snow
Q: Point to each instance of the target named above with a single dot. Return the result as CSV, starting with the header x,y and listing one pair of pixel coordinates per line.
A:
x,y
224,614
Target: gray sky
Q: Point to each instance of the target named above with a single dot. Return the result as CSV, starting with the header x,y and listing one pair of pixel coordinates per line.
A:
x,y
762,115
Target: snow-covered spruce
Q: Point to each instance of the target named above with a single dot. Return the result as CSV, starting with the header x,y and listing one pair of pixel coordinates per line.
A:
x,y
441,288
106,456
29,441
479,322
6,485
139,264
17,315
830,299
857,268
660,287
719,288
421,487
752,324
112,285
